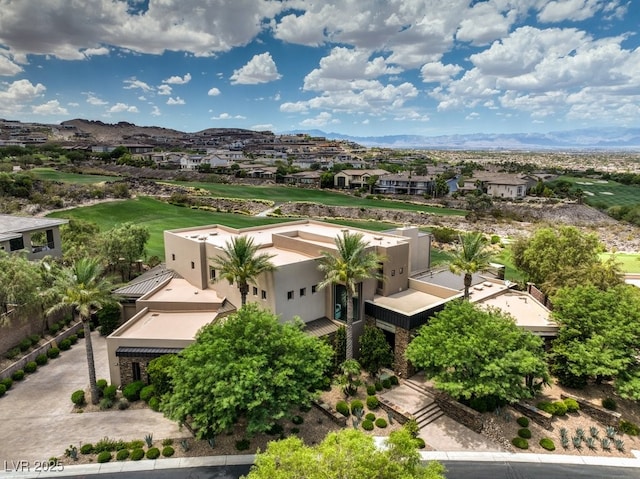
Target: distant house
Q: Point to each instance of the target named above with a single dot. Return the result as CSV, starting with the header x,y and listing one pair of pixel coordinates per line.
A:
x,y
37,237
405,184
499,185
350,179
304,178
138,148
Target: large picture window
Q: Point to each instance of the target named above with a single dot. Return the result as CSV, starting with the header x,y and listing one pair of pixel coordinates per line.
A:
x,y
340,303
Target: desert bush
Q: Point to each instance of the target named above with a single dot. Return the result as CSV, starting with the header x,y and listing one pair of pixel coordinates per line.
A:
x,y
629,428
73,338
53,353
572,405
64,345
367,425
101,384
86,448
420,444
3,389
154,404
370,416
41,359
7,383
394,380
167,451
378,386
122,455
297,420
560,408
104,456
243,444
24,344
18,375
343,408
153,453
547,443
371,389
524,433
381,423
523,421
610,404
132,390
30,367
372,402
77,398
12,353
147,392
520,443
137,454
386,383
356,404
123,404
106,403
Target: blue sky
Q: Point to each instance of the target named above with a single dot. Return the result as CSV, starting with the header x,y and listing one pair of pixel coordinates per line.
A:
x,y
359,67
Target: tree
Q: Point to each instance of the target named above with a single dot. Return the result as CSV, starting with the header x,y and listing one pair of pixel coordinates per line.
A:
x,y
83,289
248,366
598,337
240,263
471,255
346,454
124,245
80,239
564,256
20,282
472,352
349,267
375,352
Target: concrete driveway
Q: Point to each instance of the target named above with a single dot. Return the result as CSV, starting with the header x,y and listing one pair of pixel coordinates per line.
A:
x,y
36,418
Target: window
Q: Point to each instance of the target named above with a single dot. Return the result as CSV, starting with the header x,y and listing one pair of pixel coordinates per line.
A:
x,y
303,292
173,257
393,272
289,295
16,244
212,274
255,291
193,265
401,269
314,289
264,294
135,369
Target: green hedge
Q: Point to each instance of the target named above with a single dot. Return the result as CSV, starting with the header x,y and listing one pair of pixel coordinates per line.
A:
x,y
122,455
381,423
367,425
18,375
132,390
137,454
53,353
41,359
147,392
110,392
520,443
547,443
77,398
30,367
524,433
343,408
104,456
372,402
523,421
167,451
153,453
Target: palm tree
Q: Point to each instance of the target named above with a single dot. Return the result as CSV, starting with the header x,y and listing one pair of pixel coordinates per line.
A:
x,y
83,288
240,263
471,256
351,265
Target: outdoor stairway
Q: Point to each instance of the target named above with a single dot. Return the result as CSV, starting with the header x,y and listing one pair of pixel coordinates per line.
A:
x,y
428,413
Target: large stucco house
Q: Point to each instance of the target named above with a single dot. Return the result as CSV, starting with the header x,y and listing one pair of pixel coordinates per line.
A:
x,y
166,308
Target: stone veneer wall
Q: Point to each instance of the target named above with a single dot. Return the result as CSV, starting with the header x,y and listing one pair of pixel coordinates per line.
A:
x,y
331,413
538,416
456,410
126,369
606,417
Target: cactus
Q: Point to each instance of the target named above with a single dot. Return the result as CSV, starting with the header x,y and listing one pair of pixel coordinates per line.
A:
x,y
355,421
594,431
605,443
184,444
389,417
149,440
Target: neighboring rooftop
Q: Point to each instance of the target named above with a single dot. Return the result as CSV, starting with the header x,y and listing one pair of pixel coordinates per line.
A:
x,y
12,226
166,325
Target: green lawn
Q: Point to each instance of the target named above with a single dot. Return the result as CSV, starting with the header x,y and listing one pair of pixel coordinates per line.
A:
x,y
630,262
605,193
55,175
158,216
283,194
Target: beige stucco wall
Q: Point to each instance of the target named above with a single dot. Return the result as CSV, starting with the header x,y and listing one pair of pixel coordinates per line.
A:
x,y
293,277
395,268
187,256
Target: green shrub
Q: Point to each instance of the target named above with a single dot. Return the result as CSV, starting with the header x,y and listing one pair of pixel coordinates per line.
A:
x,y
546,407
73,338
30,367
167,442
53,330
104,456
7,383
135,444
628,428
147,392
370,416
386,383
560,408
394,380
378,386
343,408
122,455
524,433
132,390
297,420
243,444
154,404
81,335
24,344
420,444
295,430
167,451
371,389
367,425
137,454
110,392
12,353
34,338
275,430
64,345
86,448
381,423
523,421
53,353
478,404
123,404
77,398
3,389
41,359
107,444
106,403
101,384
520,443
572,405
153,453
610,404
372,402
18,375
547,443
356,404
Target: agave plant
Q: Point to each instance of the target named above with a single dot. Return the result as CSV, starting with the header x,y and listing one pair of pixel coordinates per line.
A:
x,y
611,432
591,443
594,431
619,445
564,433
577,442
580,433
565,442
149,440
605,443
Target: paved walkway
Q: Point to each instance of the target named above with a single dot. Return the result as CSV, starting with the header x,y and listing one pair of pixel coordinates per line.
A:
x,y
36,418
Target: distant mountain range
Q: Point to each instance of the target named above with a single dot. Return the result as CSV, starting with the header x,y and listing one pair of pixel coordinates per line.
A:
x,y
610,138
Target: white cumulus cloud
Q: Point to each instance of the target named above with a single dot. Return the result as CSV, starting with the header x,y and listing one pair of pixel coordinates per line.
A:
x,y
175,101
178,80
123,107
213,92
260,69
51,107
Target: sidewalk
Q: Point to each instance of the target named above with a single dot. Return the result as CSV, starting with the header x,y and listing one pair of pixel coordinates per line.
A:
x,y
38,422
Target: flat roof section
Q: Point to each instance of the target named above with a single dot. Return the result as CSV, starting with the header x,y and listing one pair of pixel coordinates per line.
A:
x,y
527,312
19,224
179,290
447,279
168,325
408,302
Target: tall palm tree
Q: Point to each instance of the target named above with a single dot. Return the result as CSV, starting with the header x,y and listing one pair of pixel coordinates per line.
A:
x,y
471,255
240,263
349,266
83,289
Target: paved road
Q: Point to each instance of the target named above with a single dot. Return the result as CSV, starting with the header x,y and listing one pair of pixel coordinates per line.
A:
x,y
36,418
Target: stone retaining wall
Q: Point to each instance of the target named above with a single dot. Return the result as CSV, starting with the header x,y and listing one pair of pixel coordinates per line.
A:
x,y
456,410
395,411
20,363
331,413
538,416
600,414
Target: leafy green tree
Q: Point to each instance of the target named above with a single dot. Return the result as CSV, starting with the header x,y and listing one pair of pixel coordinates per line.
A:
x,y
599,336
240,263
80,239
375,352
160,371
109,317
124,245
349,266
250,366
472,352
20,282
83,289
441,187
346,454
471,255
564,256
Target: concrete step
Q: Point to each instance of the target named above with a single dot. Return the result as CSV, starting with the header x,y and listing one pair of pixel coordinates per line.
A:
x,y
429,415
416,386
